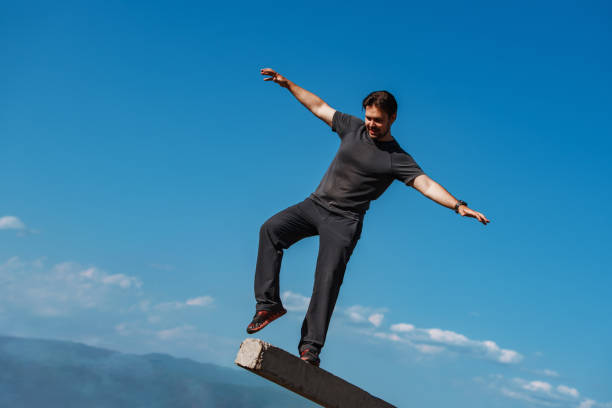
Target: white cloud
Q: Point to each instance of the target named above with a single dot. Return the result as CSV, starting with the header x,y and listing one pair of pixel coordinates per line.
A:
x,y
175,333
430,340
564,389
521,396
357,313
200,301
294,302
98,276
537,386
428,348
122,280
547,372
435,340
448,337
402,327
60,289
13,264
74,302
502,355
11,222
362,314
388,336
179,338
376,319
587,403
167,306
537,392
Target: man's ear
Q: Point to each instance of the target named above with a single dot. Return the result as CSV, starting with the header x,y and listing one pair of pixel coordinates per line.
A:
x,y
393,117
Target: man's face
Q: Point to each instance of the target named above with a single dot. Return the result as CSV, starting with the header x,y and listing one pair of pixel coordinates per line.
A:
x,y
378,122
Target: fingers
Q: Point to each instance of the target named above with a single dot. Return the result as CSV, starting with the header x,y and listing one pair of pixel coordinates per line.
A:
x,y
273,75
267,71
475,214
480,217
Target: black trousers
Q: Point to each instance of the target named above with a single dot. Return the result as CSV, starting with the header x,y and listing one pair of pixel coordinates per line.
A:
x,y
338,236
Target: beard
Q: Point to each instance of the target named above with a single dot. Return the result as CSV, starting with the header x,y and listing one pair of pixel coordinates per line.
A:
x,y
379,133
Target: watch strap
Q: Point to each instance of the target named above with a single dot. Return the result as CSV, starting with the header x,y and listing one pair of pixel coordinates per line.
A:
x,y
459,204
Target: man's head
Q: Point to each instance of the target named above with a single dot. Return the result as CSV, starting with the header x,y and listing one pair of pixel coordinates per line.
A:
x,y
380,113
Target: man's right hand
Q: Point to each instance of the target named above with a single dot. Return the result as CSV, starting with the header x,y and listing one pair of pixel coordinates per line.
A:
x,y
311,101
275,76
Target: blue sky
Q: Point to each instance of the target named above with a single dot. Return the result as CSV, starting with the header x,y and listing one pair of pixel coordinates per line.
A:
x,y
140,151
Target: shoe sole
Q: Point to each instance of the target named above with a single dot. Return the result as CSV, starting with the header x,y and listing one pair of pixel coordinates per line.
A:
x,y
267,322
310,362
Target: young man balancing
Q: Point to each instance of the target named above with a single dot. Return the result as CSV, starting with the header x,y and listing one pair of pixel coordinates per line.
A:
x,y
366,163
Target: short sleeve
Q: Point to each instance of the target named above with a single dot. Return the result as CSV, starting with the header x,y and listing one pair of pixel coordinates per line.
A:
x,y
343,124
405,169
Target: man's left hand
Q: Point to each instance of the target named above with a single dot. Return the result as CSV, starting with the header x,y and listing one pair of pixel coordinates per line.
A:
x,y
464,211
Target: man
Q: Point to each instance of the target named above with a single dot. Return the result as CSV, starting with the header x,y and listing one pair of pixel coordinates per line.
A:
x,y
367,161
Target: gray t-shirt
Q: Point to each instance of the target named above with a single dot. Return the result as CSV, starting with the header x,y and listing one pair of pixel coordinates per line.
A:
x,y
362,169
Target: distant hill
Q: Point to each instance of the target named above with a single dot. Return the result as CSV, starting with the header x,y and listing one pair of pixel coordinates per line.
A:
x,y
50,373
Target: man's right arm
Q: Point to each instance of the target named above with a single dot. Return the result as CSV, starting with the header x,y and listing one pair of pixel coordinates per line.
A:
x,y
311,101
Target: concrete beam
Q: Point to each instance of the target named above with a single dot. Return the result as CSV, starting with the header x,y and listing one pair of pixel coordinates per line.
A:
x,y
302,378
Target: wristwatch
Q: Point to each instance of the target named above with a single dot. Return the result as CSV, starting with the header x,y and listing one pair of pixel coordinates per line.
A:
x,y
459,204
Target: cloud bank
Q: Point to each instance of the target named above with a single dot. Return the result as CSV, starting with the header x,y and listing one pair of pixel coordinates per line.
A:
x,y
425,341
540,393
74,302
61,289
433,341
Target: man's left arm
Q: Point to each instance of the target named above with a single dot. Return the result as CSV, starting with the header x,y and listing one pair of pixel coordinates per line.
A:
x,y
434,191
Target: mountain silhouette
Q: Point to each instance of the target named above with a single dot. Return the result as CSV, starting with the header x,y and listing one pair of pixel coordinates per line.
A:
x,y
52,373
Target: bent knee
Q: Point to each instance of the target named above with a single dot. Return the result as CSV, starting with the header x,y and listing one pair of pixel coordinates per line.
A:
x,y
269,227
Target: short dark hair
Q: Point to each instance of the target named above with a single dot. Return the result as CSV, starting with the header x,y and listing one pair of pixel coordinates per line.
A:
x,y
382,100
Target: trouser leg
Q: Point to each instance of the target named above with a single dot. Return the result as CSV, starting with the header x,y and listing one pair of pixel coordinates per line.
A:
x,y
276,234
338,237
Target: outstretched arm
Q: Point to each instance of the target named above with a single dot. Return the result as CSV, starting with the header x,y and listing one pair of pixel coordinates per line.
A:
x,y
311,101
437,193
